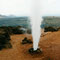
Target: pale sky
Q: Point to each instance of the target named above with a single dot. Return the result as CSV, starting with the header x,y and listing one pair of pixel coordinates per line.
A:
x,y
23,7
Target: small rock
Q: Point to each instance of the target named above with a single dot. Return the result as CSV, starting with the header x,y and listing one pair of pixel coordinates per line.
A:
x,y
25,41
29,41
32,51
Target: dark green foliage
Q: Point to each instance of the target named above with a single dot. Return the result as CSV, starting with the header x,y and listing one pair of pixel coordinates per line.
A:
x,y
29,31
4,39
13,30
46,29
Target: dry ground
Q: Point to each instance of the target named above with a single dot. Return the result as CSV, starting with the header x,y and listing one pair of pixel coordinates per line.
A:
x,y
50,44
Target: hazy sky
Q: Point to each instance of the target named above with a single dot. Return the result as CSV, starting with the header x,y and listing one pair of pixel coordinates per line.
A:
x,y
23,7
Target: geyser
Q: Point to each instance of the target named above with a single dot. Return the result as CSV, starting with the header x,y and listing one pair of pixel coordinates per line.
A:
x,y
36,32
36,19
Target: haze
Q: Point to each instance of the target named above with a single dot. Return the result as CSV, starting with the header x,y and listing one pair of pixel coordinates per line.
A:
x,y
23,7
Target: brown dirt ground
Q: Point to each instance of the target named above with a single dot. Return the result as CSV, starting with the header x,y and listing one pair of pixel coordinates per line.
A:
x,y
50,44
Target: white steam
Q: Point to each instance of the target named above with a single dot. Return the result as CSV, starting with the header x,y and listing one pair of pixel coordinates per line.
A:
x,y
36,19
